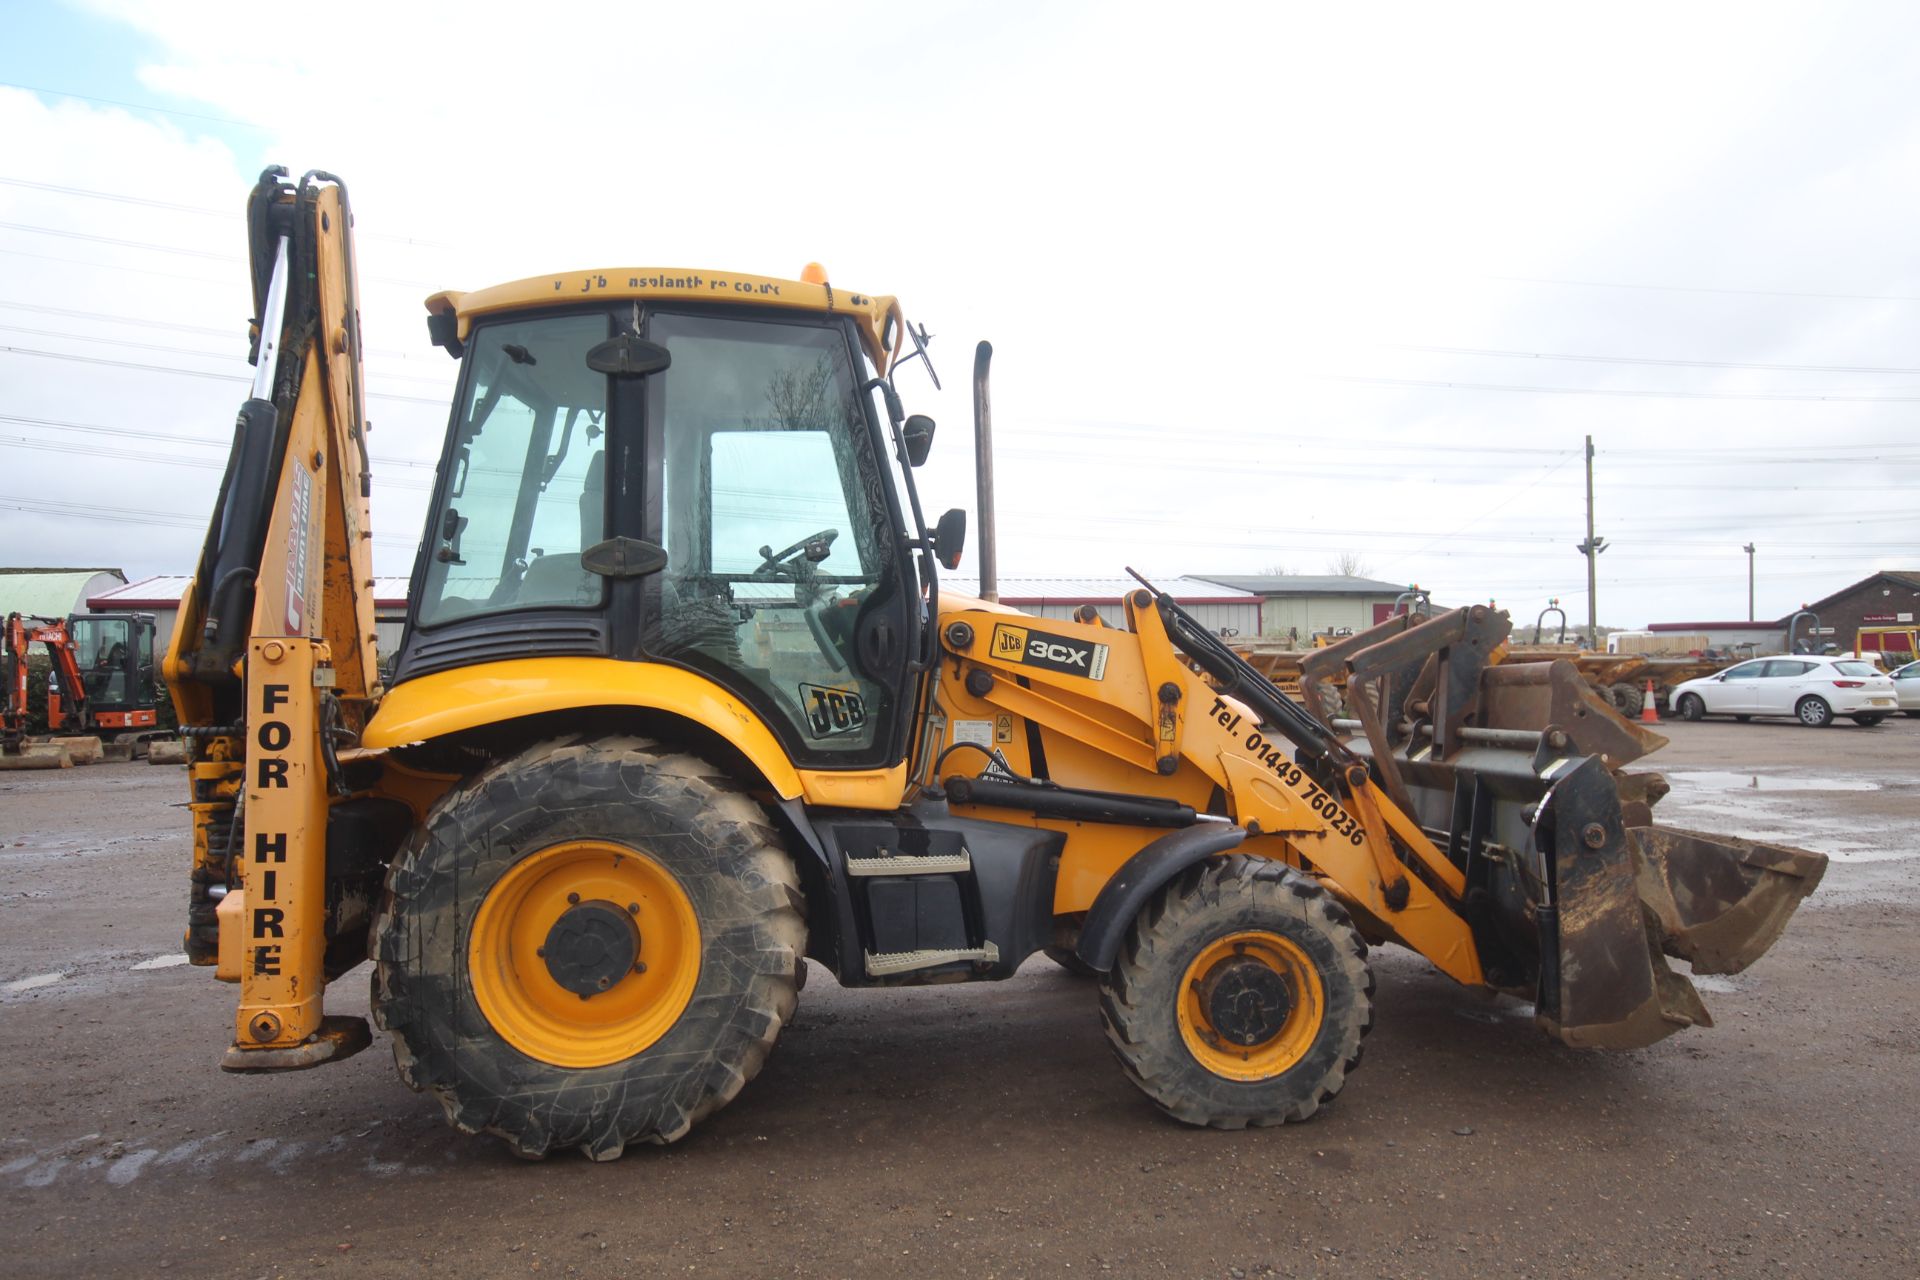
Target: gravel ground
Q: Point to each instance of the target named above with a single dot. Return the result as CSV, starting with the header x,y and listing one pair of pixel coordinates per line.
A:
x,y
985,1130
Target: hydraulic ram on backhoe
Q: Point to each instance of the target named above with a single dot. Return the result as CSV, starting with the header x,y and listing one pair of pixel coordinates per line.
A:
x,y
682,704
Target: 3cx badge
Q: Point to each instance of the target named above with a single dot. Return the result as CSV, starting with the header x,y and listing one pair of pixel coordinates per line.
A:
x,y
1048,651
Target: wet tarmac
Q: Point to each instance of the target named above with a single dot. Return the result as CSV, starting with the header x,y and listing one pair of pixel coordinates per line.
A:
x,y
985,1130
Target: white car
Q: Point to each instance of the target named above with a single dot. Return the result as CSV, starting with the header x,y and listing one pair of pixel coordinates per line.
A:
x,y
1812,688
1906,687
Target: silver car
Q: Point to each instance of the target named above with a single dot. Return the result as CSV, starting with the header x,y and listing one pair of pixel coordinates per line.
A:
x,y
1906,688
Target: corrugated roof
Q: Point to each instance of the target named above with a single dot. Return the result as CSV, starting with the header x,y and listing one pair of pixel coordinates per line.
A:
x,y
47,593
163,591
1306,584
1761,625
160,592
1184,590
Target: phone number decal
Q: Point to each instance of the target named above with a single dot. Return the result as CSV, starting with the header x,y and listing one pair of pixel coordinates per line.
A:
x,y
1274,757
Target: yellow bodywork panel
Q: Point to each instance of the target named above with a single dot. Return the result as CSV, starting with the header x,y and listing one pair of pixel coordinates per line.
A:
x,y
491,692
1107,703
680,284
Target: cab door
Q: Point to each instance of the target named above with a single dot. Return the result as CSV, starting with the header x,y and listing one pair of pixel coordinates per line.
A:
x,y
1737,691
786,578
1782,684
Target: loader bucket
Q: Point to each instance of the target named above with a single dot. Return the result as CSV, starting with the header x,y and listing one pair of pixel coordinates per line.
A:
x,y
1513,770
1723,901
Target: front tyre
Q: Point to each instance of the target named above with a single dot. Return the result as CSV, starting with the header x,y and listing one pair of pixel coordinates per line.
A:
x,y
588,945
1691,707
1814,712
1240,995
1870,718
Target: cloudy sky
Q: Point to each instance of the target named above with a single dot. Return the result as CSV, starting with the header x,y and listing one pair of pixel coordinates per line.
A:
x,y
1266,285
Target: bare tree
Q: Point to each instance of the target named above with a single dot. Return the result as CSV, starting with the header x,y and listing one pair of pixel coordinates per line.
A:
x,y
1348,564
1279,569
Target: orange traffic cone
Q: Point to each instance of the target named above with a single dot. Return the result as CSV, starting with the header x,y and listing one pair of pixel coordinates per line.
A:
x,y
1649,713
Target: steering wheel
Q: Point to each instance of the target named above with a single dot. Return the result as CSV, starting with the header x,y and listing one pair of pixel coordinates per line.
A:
x,y
816,547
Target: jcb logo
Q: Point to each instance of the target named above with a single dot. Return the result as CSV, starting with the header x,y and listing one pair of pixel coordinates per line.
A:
x,y
1066,655
1009,642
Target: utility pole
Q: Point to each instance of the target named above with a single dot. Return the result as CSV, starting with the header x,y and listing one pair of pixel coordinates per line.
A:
x,y
1749,550
1591,549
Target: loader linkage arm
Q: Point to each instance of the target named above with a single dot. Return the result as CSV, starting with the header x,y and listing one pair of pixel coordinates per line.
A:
x,y
1515,770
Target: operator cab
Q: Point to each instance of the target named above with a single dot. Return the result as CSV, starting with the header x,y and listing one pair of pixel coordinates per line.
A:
x,y
114,652
729,512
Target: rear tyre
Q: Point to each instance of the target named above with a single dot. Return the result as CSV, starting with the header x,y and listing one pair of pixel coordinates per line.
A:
x,y
1869,719
586,946
1240,996
1914,714
1691,707
1814,712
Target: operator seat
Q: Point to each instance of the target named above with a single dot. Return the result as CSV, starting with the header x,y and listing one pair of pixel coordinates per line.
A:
x,y
558,578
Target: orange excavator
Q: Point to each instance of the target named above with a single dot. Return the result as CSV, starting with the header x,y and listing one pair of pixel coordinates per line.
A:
x,y
101,681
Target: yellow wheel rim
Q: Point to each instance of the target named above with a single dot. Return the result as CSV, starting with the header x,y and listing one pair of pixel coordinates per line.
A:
x,y
596,887
1267,997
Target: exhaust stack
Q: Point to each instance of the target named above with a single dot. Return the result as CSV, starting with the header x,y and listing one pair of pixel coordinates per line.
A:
x,y
983,472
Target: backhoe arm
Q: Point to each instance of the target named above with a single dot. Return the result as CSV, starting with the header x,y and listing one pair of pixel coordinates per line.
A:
x,y
272,664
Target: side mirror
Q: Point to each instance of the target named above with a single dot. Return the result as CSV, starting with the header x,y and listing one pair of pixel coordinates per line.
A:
x,y
917,435
950,537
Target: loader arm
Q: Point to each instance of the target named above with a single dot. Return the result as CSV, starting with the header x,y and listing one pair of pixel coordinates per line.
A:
x,y
272,666
1470,810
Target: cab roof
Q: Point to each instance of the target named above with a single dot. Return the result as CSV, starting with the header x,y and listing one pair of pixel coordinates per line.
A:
x,y
878,318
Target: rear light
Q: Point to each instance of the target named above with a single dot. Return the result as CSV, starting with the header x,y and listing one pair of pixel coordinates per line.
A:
x,y
1849,684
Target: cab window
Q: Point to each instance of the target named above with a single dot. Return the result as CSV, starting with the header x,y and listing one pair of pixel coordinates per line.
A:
x,y
527,490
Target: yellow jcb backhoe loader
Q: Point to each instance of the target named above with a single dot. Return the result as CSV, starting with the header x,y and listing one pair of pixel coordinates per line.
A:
x,y
683,701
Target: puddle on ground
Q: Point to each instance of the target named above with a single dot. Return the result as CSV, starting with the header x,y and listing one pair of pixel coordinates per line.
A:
x,y
1716,780
29,984
163,962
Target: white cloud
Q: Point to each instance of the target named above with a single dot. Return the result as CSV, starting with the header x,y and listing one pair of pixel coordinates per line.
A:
x,y
1184,219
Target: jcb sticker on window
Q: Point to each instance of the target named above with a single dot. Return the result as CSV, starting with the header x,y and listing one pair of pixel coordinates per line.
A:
x,y
832,711
1049,652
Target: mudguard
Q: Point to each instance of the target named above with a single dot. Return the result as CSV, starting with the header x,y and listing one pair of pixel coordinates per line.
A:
x,y
1139,878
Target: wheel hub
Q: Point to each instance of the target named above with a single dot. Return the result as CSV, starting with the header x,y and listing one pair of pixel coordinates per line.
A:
x,y
592,946
1246,1002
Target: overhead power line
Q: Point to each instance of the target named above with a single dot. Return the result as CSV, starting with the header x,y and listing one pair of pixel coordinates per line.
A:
x,y
191,373
154,245
233,215
127,515
148,433
1687,288
164,459
1433,384
443,382
1648,360
229,332
133,106
234,283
